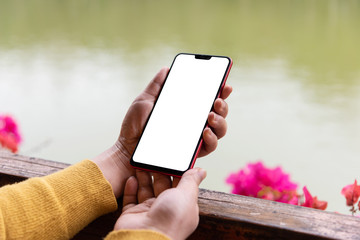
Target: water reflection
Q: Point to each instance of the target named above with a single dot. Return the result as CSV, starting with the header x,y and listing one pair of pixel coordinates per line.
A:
x,y
70,69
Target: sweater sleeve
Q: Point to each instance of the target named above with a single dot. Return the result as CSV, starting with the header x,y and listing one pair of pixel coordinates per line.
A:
x,y
55,206
136,234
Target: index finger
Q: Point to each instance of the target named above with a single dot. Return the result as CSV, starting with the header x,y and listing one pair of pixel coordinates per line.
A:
x,y
130,198
145,187
225,93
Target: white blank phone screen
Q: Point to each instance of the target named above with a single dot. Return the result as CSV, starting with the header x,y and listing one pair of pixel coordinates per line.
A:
x,y
175,126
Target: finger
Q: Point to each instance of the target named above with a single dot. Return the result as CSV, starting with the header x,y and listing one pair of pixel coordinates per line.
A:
x,y
175,182
190,182
210,142
221,107
130,198
225,93
161,183
218,124
154,87
145,190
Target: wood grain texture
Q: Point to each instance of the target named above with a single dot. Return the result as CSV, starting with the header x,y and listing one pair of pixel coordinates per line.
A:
x,y
222,215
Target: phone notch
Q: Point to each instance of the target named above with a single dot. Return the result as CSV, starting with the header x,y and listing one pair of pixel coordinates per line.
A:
x,y
203,57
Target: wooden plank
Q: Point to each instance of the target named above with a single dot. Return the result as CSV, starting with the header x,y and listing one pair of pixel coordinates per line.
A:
x,y
222,215
238,217
27,167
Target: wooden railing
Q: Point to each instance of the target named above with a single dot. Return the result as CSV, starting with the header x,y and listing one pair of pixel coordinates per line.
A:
x,y
222,215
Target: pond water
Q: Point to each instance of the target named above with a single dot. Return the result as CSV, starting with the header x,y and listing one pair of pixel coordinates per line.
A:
x,y
70,69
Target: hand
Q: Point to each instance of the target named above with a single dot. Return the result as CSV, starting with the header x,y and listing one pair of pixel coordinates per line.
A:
x,y
115,162
140,109
173,212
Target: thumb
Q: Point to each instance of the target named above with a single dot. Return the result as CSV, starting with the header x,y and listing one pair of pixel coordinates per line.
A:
x,y
156,83
190,181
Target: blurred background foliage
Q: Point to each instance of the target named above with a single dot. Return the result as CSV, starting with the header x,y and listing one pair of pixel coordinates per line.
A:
x,y
322,37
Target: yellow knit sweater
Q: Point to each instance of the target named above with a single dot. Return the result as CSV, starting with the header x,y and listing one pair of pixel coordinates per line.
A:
x,y
59,205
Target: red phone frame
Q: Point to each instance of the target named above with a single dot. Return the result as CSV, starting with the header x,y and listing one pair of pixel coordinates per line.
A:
x,y
172,172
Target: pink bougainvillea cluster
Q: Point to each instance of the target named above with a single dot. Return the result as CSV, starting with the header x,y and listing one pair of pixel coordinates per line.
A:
x,y
256,180
10,137
352,194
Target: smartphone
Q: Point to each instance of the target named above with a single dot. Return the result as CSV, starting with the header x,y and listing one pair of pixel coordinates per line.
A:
x,y
172,136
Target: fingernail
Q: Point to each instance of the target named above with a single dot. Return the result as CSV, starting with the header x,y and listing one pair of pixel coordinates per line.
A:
x,y
201,173
208,132
222,105
214,118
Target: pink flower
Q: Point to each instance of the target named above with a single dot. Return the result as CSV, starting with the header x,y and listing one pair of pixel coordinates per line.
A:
x,y
9,126
313,202
9,133
258,181
8,142
351,193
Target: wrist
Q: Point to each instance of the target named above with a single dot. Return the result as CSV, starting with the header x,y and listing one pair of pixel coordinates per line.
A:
x,y
114,163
